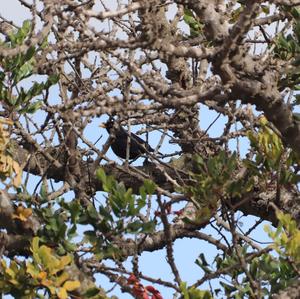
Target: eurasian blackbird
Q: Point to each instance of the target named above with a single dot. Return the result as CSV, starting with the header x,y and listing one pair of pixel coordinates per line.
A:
x,y
119,145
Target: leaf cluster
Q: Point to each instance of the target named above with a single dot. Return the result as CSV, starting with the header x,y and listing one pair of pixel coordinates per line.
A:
x,y
16,68
46,271
119,215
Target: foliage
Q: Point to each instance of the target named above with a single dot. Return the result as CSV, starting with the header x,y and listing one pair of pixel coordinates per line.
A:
x,y
213,179
55,229
8,166
270,154
19,67
193,293
274,272
286,239
120,213
287,48
194,25
47,272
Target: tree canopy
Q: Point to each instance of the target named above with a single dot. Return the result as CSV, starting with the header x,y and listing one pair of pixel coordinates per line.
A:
x,y
73,215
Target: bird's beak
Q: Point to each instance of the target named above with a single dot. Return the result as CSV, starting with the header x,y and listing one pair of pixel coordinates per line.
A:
x,y
102,125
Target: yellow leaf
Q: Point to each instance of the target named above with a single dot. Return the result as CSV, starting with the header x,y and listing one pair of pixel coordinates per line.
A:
x,y
18,171
61,279
64,261
71,285
6,121
13,281
7,165
48,283
22,213
284,238
35,250
42,275
27,213
52,290
263,120
62,293
10,272
14,266
30,269
35,244
48,259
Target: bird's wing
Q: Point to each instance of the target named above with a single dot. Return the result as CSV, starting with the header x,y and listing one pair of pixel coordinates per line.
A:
x,y
135,140
142,142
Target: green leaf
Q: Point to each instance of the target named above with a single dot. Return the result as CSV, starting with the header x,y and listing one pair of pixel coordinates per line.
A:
x,y
149,186
100,174
75,210
265,9
72,232
91,293
184,291
115,204
90,236
61,250
29,53
202,263
43,193
228,288
11,100
194,25
92,212
295,13
32,108
104,226
134,227
105,213
23,72
142,192
297,33
26,28
70,247
19,37
52,80
141,202
35,90
44,44
193,293
148,227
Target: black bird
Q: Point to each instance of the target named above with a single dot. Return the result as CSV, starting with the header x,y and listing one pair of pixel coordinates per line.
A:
x,y
137,148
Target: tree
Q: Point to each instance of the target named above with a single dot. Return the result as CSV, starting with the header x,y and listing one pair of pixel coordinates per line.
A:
x,y
70,210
